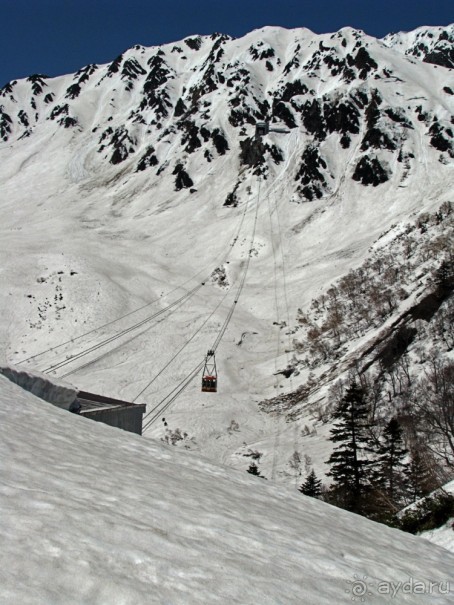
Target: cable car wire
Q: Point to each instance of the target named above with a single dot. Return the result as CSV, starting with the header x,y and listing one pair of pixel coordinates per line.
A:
x,y
113,321
158,409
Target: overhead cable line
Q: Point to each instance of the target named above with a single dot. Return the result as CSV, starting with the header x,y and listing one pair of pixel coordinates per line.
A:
x,y
106,341
165,403
117,319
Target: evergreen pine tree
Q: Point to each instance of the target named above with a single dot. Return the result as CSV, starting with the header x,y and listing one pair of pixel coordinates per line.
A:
x,y
390,465
419,477
312,486
349,464
444,277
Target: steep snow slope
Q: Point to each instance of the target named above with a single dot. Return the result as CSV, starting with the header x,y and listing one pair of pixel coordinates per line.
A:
x,y
91,514
115,182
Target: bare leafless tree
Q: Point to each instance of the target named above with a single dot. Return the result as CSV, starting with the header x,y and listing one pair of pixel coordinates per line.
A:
x,y
434,401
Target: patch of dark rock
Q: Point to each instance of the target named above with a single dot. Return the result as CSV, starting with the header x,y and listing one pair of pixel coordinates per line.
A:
x,y
341,117
193,43
190,137
252,152
182,180
219,141
345,141
238,117
313,119
440,138
363,62
158,75
259,53
59,110
122,144
132,69
312,180
294,62
442,57
104,135
372,112
369,171
377,139
114,66
49,98
148,159
205,133
68,122
422,115
276,153
5,124
398,116
37,82
287,372
232,198
85,72
73,91
448,90
281,111
360,98
180,108
23,118
8,89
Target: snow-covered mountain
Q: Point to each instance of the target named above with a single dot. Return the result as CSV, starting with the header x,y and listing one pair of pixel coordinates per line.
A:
x,y
135,196
92,514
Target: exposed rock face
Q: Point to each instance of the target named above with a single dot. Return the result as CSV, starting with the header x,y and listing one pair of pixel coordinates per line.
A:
x,y
369,171
311,174
182,180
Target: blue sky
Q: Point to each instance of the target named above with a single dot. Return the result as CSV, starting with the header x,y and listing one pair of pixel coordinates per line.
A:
x,y
60,36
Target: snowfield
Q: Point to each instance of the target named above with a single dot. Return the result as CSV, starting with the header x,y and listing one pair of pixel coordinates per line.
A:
x,y
94,515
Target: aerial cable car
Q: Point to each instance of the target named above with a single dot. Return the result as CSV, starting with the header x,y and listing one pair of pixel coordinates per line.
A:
x,y
210,374
263,128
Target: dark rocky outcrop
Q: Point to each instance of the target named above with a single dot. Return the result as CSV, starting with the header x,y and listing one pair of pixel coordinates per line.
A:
x,y
123,145
363,63
441,138
148,159
219,141
37,82
310,175
182,180
232,197
377,139
369,171
5,124
73,91
252,152
193,43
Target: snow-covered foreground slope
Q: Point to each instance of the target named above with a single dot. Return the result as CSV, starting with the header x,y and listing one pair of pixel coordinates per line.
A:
x,y
93,515
443,536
